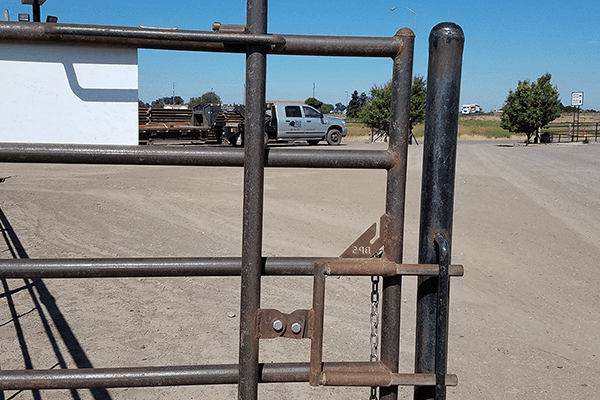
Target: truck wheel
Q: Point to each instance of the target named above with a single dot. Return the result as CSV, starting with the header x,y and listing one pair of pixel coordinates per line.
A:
x,y
266,139
334,137
313,142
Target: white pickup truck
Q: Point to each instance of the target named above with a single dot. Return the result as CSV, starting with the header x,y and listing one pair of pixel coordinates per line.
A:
x,y
288,122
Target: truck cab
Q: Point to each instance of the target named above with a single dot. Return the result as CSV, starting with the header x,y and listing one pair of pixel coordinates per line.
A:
x,y
288,122
283,122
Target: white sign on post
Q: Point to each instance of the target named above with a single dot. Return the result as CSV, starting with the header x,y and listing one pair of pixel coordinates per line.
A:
x,y
577,99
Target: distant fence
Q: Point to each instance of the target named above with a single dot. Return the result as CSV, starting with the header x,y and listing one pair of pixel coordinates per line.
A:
x,y
569,132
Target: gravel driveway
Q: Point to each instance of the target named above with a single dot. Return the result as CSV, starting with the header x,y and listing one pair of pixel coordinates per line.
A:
x,y
524,318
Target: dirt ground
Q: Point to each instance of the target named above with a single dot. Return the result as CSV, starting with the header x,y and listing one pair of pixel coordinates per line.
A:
x,y
524,318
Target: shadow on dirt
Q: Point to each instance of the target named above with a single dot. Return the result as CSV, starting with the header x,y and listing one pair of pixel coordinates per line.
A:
x,y
48,311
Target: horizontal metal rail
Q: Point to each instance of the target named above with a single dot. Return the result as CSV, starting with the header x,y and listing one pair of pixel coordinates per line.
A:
x,y
192,156
175,39
164,267
336,374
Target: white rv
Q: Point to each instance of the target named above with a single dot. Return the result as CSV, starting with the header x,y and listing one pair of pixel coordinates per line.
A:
x,y
471,109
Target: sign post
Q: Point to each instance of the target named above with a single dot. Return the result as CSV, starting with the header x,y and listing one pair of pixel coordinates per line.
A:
x,y
576,100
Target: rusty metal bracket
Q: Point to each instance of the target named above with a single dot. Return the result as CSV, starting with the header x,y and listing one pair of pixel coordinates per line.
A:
x,y
218,27
274,323
368,244
301,324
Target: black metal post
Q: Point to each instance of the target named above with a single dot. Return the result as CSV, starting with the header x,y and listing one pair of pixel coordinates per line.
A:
x,y
254,165
441,335
446,43
395,205
36,11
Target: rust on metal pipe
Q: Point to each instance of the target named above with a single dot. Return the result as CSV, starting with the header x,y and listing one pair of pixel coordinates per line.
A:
x,y
191,40
382,267
226,266
357,374
316,326
205,375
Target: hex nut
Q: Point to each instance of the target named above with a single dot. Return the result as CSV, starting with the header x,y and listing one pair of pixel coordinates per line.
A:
x,y
296,328
277,325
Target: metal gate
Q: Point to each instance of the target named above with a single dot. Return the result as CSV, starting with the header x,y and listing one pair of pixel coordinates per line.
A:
x,y
434,269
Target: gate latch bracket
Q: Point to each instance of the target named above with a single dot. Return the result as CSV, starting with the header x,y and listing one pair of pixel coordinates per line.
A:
x,y
368,244
273,324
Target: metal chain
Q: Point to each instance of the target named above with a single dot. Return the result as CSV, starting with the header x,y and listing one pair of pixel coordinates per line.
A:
x,y
374,339
373,393
374,319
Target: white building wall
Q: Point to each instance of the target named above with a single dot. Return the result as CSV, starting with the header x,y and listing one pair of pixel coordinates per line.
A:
x,y
68,94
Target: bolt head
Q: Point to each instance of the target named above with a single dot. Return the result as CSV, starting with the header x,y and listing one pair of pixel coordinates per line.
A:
x,y
296,328
277,325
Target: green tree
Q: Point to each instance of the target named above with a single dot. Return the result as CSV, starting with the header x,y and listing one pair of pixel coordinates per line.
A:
x,y
531,106
376,113
418,93
319,105
569,109
355,104
326,108
160,103
311,101
209,97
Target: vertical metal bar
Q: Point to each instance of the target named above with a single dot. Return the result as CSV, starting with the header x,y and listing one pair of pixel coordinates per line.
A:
x,y
395,199
446,43
36,11
441,334
316,344
256,62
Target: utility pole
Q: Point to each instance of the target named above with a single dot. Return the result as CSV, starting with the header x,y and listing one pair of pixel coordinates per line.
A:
x,y
313,90
36,8
36,11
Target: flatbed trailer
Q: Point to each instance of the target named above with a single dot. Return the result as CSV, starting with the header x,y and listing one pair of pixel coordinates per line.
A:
x,y
208,123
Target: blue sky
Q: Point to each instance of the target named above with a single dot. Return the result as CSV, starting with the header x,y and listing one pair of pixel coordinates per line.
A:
x,y
506,41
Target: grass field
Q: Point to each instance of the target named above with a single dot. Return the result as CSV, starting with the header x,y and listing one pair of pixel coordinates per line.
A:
x,y
476,127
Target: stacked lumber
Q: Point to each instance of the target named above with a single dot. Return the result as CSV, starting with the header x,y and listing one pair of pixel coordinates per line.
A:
x,y
143,116
162,116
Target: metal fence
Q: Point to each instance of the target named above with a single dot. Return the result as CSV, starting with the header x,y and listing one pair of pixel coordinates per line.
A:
x,y
569,132
430,377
